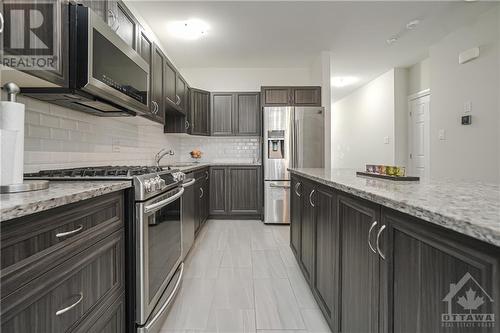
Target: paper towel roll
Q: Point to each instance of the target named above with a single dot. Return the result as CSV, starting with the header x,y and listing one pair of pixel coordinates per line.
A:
x,y
12,143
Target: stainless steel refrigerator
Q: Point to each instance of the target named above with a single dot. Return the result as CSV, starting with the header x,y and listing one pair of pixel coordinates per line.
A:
x,y
293,137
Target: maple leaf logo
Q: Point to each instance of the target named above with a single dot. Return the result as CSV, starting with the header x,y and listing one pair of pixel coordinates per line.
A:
x,y
470,301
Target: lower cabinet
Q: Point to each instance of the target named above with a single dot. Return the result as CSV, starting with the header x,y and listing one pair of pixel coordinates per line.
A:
x,y
201,198
377,270
236,191
83,278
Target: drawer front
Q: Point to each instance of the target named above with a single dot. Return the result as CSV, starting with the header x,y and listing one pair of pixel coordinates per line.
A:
x,y
34,244
107,319
60,299
203,173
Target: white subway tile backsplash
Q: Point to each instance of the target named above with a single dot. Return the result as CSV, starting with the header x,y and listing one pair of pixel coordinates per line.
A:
x,y
49,121
38,132
59,134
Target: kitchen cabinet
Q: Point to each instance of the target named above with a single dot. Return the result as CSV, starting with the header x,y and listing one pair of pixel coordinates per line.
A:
x,y
170,84
121,20
378,270
188,215
181,89
176,91
199,112
421,262
70,255
235,114
359,296
236,191
202,197
292,96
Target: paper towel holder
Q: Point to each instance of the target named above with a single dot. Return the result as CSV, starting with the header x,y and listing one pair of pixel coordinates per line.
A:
x,y
12,90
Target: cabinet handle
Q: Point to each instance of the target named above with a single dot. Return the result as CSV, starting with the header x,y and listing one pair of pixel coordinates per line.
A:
x,y
378,245
310,198
186,124
206,175
1,23
201,193
66,309
69,233
155,107
297,189
178,99
370,235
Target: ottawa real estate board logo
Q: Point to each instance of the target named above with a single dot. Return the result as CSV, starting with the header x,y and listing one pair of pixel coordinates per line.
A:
x,y
468,305
30,34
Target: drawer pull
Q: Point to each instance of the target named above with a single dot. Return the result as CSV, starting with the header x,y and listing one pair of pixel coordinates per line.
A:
x,y
66,309
69,233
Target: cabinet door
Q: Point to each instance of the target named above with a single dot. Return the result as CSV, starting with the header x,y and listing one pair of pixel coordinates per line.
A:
x,y
307,96
358,266
145,48
181,93
197,209
170,82
205,199
199,112
218,191
324,279
296,215
122,21
157,73
276,96
432,273
99,7
222,113
244,190
247,116
307,230
188,218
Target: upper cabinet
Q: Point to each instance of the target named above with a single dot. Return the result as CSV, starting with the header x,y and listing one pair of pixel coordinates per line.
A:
x,y
293,96
121,20
199,112
235,114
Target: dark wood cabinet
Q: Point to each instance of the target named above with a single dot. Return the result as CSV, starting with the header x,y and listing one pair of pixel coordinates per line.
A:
x,y
121,20
170,84
235,114
423,264
199,112
236,191
181,89
157,105
326,236
218,191
222,105
64,268
358,266
293,96
374,269
202,197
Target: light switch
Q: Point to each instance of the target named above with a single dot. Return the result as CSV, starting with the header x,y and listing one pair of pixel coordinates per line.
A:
x,y
442,134
386,140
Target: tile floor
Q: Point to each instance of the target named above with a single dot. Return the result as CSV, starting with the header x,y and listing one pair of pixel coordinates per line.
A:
x,y
241,276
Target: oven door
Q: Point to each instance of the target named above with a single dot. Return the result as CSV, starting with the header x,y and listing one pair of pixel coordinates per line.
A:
x,y
159,249
113,70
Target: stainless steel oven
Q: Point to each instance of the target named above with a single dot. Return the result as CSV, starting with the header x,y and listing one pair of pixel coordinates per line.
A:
x,y
159,257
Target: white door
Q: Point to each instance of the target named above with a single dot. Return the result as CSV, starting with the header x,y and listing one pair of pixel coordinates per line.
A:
x,y
419,136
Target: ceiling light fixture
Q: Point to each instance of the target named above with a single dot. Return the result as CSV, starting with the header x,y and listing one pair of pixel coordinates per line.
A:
x,y
189,29
412,24
391,40
343,81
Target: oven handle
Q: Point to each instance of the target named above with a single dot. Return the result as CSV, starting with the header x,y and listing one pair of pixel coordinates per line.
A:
x,y
189,183
168,301
157,205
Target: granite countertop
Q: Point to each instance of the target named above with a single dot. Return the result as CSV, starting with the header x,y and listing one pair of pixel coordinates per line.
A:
x,y
59,193
470,208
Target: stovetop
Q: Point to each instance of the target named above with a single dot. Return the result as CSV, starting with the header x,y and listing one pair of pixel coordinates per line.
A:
x,y
148,181
115,172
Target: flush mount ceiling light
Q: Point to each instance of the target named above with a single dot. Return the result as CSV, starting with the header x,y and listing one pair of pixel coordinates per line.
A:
x,y
343,81
391,40
412,24
189,29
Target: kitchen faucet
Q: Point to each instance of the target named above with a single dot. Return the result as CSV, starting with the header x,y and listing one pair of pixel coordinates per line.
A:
x,y
159,155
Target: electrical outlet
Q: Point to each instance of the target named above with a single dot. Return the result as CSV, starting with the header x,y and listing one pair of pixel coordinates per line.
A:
x,y
386,140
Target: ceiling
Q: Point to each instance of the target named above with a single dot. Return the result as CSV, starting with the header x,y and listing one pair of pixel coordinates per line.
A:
x,y
253,34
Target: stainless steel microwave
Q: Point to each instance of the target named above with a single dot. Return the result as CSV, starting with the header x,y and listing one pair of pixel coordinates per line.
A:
x,y
107,76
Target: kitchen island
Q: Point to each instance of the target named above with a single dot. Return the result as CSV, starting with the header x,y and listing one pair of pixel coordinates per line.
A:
x,y
384,256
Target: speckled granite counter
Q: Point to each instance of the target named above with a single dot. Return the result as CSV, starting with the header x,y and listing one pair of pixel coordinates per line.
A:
x,y
470,208
58,194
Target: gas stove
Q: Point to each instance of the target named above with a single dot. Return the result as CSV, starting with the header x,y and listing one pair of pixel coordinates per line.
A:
x,y
148,181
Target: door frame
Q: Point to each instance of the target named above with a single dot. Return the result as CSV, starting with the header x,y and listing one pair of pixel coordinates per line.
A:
x,y
427,162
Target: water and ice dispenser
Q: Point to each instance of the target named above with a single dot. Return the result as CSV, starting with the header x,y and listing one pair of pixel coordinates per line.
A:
x,y
276,144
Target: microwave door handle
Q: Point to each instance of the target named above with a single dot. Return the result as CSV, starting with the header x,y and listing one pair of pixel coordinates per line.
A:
x,y
157,205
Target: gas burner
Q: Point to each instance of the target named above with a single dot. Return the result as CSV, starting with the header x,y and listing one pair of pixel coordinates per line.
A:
x,y
100,171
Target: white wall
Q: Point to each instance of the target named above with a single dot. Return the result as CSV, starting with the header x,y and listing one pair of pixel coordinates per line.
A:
x,y
419,77
361,121
469,152
401,116
245,79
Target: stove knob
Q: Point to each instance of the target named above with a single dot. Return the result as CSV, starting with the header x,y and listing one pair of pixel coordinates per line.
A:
x,y
147,185
162,183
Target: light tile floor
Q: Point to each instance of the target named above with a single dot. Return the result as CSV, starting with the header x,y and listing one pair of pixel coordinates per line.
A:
x,y
241,276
